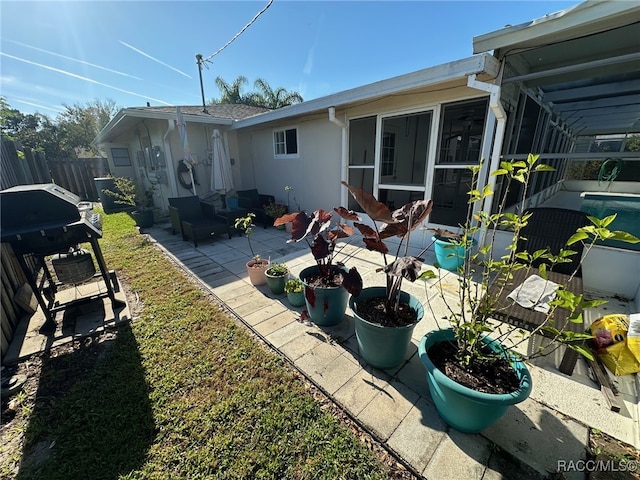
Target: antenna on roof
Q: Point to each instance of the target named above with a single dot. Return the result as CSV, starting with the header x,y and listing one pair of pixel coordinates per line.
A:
x,y
199,62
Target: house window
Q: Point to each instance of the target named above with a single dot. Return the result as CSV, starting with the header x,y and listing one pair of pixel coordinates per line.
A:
x,y
120,157
285,143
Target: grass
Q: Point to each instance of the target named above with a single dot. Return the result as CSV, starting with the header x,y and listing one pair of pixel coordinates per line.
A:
x,y
181,392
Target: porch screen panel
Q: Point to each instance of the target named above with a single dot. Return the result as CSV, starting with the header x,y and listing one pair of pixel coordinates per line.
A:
x,y
405,142
362,141
460,146
450,187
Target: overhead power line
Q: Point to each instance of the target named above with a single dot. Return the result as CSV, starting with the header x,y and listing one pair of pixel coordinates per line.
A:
x,y
201,61
239,33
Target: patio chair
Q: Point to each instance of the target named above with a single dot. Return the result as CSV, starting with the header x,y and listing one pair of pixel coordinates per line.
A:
x,y
188,217
254,202
547,228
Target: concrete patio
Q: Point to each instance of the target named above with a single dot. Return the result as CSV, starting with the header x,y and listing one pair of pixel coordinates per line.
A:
x,y
549,428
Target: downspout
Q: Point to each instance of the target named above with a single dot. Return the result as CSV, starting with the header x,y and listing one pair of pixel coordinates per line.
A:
x,y
171,174
501,118
343,160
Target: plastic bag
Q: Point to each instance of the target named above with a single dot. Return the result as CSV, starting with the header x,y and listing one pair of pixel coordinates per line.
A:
x,y
619,351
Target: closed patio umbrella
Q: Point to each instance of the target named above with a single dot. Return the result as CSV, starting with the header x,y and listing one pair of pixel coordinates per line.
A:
x,y
182,129
221,177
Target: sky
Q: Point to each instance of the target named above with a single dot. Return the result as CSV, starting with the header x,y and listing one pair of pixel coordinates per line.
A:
x,y
59,53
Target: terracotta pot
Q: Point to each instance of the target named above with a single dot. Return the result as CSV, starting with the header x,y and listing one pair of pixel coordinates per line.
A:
x,y
256,270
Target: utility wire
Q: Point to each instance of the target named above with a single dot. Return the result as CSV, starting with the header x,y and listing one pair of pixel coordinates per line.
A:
x,y
208,59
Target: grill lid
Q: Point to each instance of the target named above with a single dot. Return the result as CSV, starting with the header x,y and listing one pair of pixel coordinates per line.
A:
x,y
25,208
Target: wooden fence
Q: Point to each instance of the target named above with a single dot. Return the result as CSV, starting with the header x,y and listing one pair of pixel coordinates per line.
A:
x,y
77,174
22,166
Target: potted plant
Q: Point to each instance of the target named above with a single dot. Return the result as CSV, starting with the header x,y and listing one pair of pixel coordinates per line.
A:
x,y
275,210
473,370
328,283
289,189
277,275
386,316
231,200
139,200
256,267
295,292
450,251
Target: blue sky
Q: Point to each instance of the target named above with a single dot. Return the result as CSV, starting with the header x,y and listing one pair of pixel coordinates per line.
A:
x,y
70,52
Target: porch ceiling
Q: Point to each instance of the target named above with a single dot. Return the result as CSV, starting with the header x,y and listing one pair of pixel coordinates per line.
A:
x,y
591,81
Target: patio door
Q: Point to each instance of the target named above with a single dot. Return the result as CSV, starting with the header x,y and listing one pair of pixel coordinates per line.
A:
x,y
404,148
388,156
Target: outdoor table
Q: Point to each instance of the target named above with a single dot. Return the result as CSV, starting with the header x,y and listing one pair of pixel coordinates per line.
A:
x,y
229,216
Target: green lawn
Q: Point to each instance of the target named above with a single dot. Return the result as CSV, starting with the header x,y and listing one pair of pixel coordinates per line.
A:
x,y
181,392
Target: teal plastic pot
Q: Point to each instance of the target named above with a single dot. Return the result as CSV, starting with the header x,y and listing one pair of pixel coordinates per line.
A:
x,y
449,256
296,299
326,305
383,347
463,408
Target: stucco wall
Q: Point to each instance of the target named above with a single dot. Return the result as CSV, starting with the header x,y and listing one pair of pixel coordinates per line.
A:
x,y
315,175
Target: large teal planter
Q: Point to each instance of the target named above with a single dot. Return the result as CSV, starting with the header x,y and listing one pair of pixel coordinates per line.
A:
x,y
383,347
449,256
326,306
465,409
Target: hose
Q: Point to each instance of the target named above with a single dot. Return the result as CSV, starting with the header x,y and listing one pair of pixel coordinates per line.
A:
x,y
613,174
182,169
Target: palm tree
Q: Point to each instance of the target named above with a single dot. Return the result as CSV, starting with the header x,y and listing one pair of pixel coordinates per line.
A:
x,y
265,97
231,93
278,98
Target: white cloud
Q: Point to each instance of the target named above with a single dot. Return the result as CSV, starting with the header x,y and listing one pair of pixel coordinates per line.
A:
x,y
86,79
154,59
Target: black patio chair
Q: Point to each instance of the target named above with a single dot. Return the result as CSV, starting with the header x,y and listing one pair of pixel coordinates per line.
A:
x,y
546,228
188,217
254,202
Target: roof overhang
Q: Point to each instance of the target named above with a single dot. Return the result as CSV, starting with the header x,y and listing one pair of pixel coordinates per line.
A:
x,y
460,69
128,118
583,62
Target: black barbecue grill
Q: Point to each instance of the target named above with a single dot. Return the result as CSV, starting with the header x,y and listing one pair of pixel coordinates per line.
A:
x,y
43,220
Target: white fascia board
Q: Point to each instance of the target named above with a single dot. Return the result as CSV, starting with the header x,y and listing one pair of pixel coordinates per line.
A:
x,y
583,19
478,64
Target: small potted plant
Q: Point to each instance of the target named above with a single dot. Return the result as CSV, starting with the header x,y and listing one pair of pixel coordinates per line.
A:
x,y
328,283
256,267
289,189
295,292
277,275
139,200
450,249
231,200
275,210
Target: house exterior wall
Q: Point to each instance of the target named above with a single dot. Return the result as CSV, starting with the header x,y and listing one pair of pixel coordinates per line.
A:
x,y
322,163
166,147
315,175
